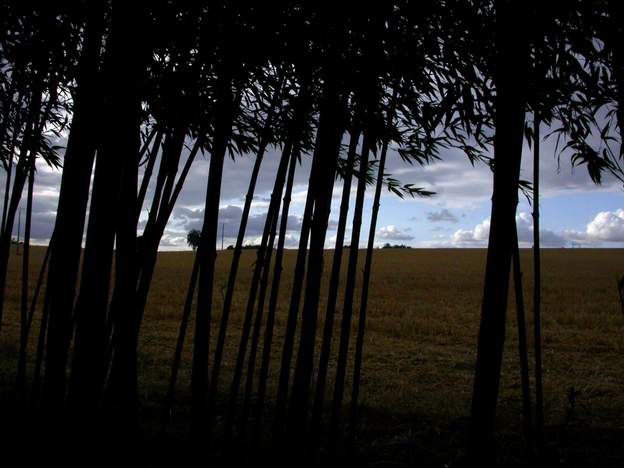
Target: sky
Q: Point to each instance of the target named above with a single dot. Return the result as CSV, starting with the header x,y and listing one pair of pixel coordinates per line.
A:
x,y
574,211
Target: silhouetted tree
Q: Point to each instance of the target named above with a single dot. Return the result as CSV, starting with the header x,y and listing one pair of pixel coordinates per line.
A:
x,y
512,68
192,238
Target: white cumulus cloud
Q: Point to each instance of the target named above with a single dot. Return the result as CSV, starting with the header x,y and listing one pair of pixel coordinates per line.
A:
x,y
607,226
524,222
478,235
392,232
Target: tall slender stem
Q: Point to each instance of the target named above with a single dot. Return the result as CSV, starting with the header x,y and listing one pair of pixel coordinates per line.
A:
x,y
537,292
522,344
259,266
21,368
332,296
231,284
368,265
177,356
347,309
275,284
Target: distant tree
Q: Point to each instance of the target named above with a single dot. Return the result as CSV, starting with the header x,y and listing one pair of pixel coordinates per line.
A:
x,y
192,238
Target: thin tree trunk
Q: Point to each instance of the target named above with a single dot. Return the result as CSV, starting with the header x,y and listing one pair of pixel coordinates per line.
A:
x,y
522,344
331,126
145,145
21,367
332,295
149,168
124,377
130,51
260,265
368,265
236,254
89,359
73,198
147,249
157,222
537,293
156,231
21,174
42,272
512,69
169,162
30,139
169,159
347,309
161,178
255,336
270,322
207,255
293,311
7,191
6,117
10,155
39,356
177,356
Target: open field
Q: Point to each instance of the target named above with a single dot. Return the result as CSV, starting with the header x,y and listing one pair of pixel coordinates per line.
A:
x,y
420,346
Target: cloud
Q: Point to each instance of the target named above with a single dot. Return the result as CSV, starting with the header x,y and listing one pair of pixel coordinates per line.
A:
x,y
442,216
548,238
607,226
184,219
524,222
440,228
391,232
455,181
476,236
458,184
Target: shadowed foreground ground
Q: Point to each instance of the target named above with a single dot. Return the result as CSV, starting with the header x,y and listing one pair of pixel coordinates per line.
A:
x,y
419,354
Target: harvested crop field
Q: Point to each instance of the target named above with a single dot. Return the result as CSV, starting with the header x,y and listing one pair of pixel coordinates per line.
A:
x,y
420,348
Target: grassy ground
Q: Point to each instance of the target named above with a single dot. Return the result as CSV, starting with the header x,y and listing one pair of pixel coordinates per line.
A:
x,y
420,346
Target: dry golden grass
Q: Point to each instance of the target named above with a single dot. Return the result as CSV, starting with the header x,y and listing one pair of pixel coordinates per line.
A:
x,y
421,337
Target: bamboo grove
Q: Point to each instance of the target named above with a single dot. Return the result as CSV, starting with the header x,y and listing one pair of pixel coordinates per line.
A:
x,y
338,85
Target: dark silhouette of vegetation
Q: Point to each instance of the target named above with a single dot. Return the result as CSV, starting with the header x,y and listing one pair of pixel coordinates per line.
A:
x,y
122,98
537,295
522,346
192,238
511,62
395,246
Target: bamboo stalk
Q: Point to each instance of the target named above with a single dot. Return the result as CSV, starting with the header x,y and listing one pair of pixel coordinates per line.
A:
x,y
537,293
